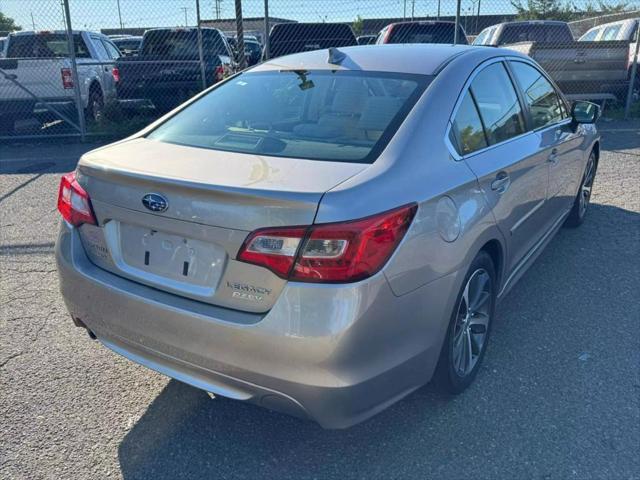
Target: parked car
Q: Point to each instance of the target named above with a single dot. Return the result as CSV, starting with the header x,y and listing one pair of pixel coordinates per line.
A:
x,y
2,43
288,38
543,31
167,69
128,46
288,239
626,30
39,62
428,31
366,39
581,69
252,51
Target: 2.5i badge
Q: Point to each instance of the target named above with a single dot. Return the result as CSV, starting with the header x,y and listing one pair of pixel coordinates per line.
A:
x,y
247,292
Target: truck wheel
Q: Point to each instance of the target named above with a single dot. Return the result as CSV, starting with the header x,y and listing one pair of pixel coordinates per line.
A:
x,y
7,125
95,106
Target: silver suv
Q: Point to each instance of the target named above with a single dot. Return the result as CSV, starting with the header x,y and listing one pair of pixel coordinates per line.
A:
x,y
323,233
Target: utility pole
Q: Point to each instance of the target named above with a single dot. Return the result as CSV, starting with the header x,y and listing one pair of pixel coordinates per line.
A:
x,y
478,18
266,29
457,25
33,22
438,9
203,73
413,9
240,35
120,15
404,10
186,19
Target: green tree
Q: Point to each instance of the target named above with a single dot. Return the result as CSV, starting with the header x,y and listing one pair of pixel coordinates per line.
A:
x,y
543,10
7,24
358,25
601,7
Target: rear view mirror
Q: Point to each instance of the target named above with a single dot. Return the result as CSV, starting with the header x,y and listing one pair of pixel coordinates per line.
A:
x,y
585,112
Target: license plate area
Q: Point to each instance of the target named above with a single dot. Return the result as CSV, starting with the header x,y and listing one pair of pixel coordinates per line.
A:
x,y
167,260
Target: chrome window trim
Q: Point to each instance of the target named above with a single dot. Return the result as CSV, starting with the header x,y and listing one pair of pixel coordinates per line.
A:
x,y
452,149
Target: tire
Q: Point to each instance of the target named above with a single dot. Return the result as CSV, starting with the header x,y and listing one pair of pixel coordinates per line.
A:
x,y
95,105
7,125
470,326
581,202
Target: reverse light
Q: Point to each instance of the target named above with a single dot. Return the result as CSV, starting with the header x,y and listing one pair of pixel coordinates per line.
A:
x,y
73,202
329,253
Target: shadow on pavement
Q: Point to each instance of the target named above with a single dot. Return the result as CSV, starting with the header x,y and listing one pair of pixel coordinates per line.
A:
x,y
532,408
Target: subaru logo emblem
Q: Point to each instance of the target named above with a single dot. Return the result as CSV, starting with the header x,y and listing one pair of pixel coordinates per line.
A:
x,y
155,202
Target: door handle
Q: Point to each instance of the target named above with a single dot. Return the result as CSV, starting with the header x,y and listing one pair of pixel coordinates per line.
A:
x,y
553,156
501,183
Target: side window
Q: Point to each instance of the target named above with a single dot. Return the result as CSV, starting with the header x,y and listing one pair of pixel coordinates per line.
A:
x,y
467,127
112,50
611,33
544,103
100,48
497,103
590,36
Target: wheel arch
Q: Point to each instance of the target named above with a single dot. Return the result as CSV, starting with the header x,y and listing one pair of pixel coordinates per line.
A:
x,y
495,250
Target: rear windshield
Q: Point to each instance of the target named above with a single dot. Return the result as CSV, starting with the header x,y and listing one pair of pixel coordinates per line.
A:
x,y
45,45
181,44
286,39
128,43
425,33
536,33
341,116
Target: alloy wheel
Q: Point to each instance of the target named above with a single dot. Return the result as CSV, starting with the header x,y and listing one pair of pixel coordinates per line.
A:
x,y
472,322
586,187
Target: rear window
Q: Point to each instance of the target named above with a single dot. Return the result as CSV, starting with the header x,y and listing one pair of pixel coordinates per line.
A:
x,y
288,38
327,115
45,45
425,33
181,44
536,33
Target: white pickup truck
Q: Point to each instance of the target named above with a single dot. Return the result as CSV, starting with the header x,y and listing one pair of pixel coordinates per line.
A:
x,y
35,75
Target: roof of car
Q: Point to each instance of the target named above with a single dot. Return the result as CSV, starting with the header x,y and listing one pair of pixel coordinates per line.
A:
x,y
423,59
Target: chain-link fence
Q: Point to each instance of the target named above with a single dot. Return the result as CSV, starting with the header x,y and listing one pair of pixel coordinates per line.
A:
x,y
109,67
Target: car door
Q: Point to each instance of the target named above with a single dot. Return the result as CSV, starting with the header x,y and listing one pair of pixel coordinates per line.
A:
x,y
491,133
560,140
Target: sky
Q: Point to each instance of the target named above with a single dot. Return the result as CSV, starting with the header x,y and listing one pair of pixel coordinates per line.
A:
x,y
96,14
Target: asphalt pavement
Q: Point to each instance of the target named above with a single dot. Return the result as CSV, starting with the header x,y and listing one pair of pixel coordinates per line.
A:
x,y
558,396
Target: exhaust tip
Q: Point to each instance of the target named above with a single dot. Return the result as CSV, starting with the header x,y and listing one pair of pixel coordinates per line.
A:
x,y
80,323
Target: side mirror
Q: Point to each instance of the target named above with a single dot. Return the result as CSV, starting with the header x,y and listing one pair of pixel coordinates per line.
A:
x,y
585,112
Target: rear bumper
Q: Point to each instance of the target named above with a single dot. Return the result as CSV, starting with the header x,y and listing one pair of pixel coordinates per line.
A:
x,y
336,354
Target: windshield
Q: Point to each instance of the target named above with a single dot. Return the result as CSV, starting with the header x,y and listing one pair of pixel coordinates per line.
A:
x,y
320,115
536,33
425,33
45,45
182,44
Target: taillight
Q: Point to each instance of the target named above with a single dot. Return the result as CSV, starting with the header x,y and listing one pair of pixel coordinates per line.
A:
x,y
332,252
387,35
115,73
219,73
67,78
73,202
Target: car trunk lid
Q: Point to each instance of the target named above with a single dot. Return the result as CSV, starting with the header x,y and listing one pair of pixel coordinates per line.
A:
x,y
213,199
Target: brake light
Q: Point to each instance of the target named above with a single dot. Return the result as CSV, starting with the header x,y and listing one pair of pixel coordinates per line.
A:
x,y
67,78
387,35
73,201
219,73
115,73
329,253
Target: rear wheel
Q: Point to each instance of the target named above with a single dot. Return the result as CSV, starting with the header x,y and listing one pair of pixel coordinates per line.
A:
x,y
7,125
95,105
581,202
469,327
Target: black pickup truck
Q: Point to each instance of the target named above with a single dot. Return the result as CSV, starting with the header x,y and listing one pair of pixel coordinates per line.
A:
x,y
167,71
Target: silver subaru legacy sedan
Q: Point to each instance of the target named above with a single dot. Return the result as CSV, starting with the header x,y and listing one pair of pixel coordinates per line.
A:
x,y
326,232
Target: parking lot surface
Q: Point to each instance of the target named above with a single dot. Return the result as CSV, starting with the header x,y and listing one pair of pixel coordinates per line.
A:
x,y
558,396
